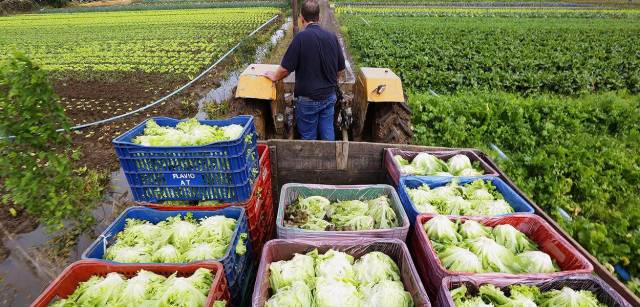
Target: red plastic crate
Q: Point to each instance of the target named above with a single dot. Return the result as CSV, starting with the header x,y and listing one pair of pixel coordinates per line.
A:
x,y
281,249
394,172
254,207
266,230
549,241
82,270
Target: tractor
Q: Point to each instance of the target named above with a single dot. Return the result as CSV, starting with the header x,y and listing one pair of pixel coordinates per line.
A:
x,y
373,107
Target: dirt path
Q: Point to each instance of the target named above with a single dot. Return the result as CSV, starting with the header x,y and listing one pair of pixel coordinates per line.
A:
x,y
329,22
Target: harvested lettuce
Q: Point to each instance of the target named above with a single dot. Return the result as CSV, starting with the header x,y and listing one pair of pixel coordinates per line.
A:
x,y
382,213
520,295
298,294
186,133
567,297
479,197
319,214
473,247
471,229
513,239
334,264
536,262
372,280
493,256
441,229
186,291
284,273
177,239
336,293
386,293
375,267
144,289
460,259
167,254
425,164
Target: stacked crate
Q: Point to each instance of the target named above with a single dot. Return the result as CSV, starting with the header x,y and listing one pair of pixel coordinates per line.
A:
x,y
234,175
435,277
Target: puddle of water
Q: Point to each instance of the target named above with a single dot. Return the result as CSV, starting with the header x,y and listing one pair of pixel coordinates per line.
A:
x,y
225,90
23,278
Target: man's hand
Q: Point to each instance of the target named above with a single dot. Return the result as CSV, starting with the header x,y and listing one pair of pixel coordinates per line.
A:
x,y
271,75
277,74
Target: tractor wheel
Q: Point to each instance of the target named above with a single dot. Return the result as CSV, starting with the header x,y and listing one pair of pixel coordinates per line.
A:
x,y
392,123
258,108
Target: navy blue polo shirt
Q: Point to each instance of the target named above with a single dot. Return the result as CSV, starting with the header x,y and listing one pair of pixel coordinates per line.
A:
x,y
315,55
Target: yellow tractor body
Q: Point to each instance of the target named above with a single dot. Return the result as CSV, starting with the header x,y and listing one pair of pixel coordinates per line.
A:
x,y
373,107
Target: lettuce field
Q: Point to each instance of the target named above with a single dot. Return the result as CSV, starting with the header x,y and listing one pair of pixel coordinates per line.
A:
x,y
525,55
554,89
177,42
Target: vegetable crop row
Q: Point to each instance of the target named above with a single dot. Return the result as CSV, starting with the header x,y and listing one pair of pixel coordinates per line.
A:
x,y
178,42
523,55
488,12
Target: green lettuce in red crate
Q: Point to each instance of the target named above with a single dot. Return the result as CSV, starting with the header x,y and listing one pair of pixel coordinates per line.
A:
x,y
476,248
524,295
144,289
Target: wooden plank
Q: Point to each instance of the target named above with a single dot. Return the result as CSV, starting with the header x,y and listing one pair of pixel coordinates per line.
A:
x,y
299,156
342,155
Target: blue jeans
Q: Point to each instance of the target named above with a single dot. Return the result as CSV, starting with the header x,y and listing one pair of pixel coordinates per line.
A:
x,y
315,116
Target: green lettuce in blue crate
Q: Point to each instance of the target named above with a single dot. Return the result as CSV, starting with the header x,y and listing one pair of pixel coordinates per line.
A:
x,y
186,133
174,240
477,198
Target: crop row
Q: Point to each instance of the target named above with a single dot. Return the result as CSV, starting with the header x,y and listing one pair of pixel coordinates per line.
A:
x,y
181,42
488,12
523,55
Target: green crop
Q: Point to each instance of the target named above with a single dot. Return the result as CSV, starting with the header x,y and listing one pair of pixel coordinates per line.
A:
x,y
522,55
180,42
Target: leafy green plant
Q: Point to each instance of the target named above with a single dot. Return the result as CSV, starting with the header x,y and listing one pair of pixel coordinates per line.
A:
x,y
36,164
168,42
567,56
579,155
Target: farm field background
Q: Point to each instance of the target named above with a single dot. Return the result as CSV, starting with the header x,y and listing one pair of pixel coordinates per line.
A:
x,y
103,64
554,89
108,63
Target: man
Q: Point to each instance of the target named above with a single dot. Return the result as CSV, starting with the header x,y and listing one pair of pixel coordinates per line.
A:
x,y
315,55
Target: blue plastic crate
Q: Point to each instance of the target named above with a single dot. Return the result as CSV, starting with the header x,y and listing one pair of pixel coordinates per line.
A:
x,y
235,266
223,171
518,203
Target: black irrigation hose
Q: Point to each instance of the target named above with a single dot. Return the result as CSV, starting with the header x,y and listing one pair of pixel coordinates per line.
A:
x,y
175,92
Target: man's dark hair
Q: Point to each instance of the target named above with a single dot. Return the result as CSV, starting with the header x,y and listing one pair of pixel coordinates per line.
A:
x,y
310,10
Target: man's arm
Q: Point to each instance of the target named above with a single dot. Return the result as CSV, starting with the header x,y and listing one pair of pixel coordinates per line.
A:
x,y
277,75
289,61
